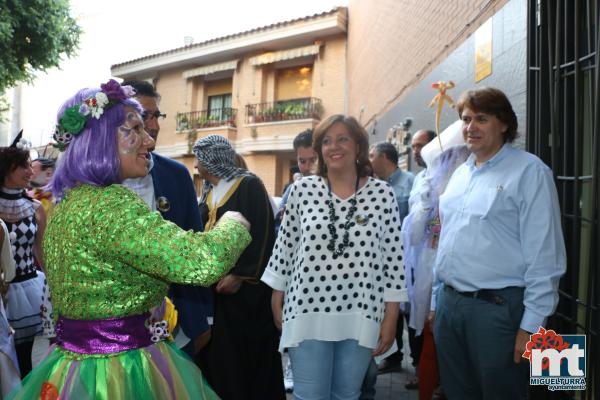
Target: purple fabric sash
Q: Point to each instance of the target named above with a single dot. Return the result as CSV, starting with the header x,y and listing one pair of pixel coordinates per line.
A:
x,y
103,336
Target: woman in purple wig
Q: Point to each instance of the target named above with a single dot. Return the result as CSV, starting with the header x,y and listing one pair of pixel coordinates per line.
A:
x,y
110,261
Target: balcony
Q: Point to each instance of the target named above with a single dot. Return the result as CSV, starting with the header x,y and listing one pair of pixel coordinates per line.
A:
x,y
215,118
284,110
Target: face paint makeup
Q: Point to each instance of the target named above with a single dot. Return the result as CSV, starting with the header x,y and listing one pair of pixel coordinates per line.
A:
x,y
131,134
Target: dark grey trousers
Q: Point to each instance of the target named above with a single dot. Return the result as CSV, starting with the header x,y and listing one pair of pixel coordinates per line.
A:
x,y
475,342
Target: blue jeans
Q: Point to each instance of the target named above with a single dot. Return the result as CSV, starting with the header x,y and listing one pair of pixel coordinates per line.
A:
x,y
367,391
328,370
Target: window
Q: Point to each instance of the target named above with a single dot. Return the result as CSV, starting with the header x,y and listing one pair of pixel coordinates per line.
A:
x,y
219,107
294,83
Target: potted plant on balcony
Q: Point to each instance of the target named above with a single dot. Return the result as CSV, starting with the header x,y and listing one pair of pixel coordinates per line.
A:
x,y
229,117
202,121
317,110
298,111
214,120
267,114
183,123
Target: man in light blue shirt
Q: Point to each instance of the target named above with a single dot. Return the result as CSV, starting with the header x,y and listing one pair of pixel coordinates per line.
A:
x,y
501,255
384,159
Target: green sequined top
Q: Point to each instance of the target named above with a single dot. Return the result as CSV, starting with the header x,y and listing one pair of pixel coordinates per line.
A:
x,y
107,255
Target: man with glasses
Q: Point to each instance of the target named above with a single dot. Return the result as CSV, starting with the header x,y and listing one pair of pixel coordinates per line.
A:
x,y
169,189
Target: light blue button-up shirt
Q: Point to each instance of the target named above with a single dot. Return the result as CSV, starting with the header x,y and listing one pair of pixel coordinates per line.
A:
x,y
402,183
501,227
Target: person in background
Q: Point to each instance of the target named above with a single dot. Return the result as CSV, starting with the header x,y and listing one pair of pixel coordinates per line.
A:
x,y
43,169
26,220
306,158
500,258
296,174
336,267
419,140
9,365
169,189
384,159
241,361
420,237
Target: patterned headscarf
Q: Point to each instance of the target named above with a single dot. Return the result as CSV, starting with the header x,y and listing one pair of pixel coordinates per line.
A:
x,y
216,154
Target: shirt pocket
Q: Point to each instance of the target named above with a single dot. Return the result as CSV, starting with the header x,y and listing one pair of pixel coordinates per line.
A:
x,y
483,203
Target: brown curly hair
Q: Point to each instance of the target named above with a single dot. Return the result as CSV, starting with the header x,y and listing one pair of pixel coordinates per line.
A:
x,y
10,159
358,133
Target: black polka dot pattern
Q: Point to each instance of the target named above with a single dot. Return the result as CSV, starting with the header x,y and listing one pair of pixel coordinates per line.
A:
x,y
368,273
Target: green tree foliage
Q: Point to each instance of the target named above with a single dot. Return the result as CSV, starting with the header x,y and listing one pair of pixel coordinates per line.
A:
x,y
34,35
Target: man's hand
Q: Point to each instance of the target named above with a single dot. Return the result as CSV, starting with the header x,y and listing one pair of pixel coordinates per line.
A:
x,y
202,340
431,318
520,343
230,284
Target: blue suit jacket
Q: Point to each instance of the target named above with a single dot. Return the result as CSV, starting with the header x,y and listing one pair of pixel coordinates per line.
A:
x,y
172,180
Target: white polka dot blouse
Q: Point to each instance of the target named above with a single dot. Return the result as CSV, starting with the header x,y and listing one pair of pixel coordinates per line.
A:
x,y
330,297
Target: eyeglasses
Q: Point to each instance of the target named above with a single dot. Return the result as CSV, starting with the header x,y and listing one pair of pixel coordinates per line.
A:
x,y
156,114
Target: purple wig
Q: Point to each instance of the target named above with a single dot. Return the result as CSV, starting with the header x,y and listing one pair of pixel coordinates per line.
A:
x,y
92,156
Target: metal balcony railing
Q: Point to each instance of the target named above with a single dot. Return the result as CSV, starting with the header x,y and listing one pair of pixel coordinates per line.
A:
x,y
282,110
206,119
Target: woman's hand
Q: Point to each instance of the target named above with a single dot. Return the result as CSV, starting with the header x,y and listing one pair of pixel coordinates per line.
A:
x,y
277,307
238,217
387,333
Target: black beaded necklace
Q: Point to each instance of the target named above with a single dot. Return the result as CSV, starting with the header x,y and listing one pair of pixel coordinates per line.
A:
x,y
339,249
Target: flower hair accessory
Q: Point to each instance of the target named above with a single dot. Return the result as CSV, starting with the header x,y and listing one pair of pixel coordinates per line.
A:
x,y
75,118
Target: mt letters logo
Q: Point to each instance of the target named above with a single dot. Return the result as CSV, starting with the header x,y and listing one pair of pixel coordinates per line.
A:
x,y
556,361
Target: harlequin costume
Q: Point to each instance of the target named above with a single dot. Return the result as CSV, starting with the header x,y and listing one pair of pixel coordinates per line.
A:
x,y
24,297
109,262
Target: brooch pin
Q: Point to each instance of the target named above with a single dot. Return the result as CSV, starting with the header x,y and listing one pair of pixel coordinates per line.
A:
x,y
361,219
159,331
163,204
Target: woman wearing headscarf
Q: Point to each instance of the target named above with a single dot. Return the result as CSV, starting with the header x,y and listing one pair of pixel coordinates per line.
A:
x,y
241,361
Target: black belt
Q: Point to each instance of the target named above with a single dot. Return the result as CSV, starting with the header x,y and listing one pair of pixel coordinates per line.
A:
x,y
24,277
488,295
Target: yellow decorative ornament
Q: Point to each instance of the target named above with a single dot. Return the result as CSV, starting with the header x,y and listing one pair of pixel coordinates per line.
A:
x,y
438,100
170,316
